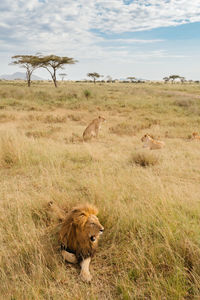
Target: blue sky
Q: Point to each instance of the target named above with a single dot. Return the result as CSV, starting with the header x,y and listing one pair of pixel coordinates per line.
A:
x,y
148,39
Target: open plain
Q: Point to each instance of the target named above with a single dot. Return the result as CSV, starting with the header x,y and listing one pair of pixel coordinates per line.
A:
x,y
148,201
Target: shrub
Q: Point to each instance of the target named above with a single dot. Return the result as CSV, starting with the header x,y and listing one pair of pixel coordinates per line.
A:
x,y
54,119
73,117
72,95
87,94
144,159
184,102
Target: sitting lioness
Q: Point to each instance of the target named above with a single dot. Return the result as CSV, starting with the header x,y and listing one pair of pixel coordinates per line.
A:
x,y
195,136
79,237
151,143
92,129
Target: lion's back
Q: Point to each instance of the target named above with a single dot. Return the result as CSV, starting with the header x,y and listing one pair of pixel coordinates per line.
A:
x,y
157,144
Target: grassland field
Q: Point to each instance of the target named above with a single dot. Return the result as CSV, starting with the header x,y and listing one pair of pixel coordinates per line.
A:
x,y
148,201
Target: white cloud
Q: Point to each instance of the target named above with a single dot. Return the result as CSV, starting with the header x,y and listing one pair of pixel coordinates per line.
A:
x,y
73,28
135,41
72,22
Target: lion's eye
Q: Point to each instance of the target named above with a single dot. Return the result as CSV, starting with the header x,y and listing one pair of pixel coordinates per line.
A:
x,y
93,238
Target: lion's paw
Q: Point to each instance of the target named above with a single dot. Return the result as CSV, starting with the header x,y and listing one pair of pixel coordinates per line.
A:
x,y
86,276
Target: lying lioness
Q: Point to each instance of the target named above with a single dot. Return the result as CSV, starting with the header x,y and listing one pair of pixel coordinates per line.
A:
x,y
150,143
195,136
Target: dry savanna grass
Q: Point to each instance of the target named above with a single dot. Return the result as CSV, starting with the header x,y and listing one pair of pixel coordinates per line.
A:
x,y
149,202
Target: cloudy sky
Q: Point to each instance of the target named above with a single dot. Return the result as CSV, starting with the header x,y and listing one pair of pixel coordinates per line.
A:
x,y
147,39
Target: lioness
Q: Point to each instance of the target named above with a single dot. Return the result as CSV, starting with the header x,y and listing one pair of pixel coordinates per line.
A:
x,y
195,136
92,129
151,143
56,212
79,237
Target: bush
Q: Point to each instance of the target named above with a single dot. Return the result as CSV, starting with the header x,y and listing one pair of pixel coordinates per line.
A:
x,y
184,102
144,159
73,117
87,94
55,119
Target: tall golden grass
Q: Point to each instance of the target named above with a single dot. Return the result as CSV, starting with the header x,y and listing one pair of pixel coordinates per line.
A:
x,y
148,201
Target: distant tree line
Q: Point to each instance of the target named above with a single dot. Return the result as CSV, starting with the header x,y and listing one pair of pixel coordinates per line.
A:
x,y
53,62
173,78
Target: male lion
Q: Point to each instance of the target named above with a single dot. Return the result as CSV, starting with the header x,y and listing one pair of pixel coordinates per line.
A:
x,y
195,136
79,237
92,129
151,143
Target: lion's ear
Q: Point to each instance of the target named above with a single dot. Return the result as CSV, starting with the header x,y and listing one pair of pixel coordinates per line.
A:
x,y
82,214
77,211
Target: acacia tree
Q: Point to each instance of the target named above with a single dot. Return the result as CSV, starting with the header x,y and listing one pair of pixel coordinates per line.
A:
x,y
94,76
62,75
182,79
173,77
29,62
131,78
109,78
166,79
53,62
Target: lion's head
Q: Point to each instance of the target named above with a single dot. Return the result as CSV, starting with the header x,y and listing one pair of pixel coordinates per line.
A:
x,y
194,134
81,231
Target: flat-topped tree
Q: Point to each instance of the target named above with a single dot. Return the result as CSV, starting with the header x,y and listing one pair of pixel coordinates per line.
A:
x,y
166,79
174,77
62,75
182,79
53,62
94,76
131,78
109,78
29,62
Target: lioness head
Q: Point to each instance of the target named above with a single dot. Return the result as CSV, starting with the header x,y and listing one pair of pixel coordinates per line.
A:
x,y
194,134
102,119
145,138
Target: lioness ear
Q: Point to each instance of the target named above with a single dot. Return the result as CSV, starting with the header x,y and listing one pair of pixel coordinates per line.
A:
x,y
50,203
